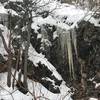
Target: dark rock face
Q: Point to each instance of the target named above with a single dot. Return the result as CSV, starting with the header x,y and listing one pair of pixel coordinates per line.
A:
x,y
88,42
43,75
36,42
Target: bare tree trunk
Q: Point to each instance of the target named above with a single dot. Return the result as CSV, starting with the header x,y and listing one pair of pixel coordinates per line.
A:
x,y
16,68
9,63
9,69
10,55
26,54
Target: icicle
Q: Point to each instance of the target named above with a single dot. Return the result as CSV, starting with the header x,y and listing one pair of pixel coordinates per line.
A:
x,y
70,54
67,37
74,41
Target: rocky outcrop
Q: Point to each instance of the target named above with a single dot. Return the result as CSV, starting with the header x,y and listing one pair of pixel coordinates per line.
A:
x,y
43,75
88,46
88,42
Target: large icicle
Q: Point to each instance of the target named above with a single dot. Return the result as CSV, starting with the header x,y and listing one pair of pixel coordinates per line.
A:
x,y
67,38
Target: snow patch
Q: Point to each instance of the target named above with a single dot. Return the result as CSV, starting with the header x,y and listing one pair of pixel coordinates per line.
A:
x,y
36,58
93,99
2,9
5,33
36,88
16,0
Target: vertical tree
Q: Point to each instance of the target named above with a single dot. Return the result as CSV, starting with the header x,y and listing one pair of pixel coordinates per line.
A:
x,y
21,26
28,18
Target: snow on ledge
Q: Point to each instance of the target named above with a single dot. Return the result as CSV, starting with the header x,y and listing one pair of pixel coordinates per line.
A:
x,y
36,58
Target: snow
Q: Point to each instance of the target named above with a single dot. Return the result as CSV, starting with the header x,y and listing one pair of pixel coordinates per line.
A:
x,y
2,9
5,11
4,94
64,16
49,20
6,36
39,36
97,85
34,87
35,27
55,35
73,14
36,58
93,99
16,0
92,19
12,12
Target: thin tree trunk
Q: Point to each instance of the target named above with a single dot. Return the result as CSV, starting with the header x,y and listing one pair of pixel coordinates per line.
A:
x,y
9,63
9,69
26,54
16,68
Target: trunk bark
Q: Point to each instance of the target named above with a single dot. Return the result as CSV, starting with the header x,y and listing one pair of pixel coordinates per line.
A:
x,y
26,54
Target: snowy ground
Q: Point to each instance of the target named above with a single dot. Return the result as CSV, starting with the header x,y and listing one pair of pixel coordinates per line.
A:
x,y
39,91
